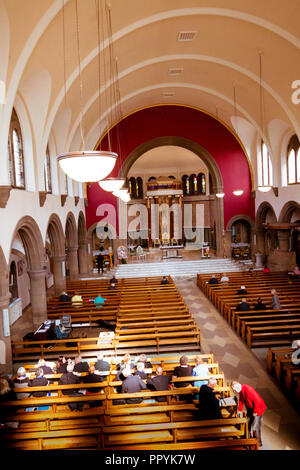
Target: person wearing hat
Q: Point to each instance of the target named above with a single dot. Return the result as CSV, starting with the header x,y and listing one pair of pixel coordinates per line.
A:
x,y
242,291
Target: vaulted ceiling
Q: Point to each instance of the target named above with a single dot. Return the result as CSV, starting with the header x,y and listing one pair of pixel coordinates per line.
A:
x,y
217,71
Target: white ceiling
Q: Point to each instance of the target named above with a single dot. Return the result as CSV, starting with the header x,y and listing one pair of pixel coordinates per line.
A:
x,y
224,55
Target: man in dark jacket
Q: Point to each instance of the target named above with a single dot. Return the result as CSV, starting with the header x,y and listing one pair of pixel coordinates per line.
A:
x,y
64,297
39,381
70,379
243,306
132,384
80,365
184,370
259,305
101,365
242,291
208,403
100,262
159,382
213,280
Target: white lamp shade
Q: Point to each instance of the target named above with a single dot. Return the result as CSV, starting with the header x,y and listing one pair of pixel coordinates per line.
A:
x,y
87,166
219,195
111,184
238,192
264,189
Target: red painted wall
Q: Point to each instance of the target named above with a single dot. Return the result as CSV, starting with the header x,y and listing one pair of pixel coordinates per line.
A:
x,y
180,121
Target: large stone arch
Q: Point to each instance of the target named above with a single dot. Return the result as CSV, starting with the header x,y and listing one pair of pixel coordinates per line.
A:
x,y
71,237
204,155
32,240
287,210
57,241
234,219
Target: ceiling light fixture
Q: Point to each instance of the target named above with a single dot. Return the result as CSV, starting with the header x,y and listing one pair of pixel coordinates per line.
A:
x,y
85,165
220,195
264,189
238,192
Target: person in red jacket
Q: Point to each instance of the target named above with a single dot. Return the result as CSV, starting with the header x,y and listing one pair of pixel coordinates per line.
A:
x,y
254,405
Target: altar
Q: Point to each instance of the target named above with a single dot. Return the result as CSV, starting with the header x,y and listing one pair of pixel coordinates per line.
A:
x,y
171,251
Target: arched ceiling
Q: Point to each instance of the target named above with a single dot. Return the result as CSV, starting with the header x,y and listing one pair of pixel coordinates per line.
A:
x,y
224,55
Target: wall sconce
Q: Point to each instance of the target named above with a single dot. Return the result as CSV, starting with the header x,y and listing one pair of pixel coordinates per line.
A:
x,y
220,195
238,192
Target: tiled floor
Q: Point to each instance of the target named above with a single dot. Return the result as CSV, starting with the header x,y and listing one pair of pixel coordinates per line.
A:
x,y
281,422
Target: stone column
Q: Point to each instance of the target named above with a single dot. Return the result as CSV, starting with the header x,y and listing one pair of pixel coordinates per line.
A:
x,y
73,262
59,273
38,296
83,258
5,339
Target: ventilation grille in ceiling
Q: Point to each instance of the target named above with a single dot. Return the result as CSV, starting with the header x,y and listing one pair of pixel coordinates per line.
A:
x,y
186,35
175,71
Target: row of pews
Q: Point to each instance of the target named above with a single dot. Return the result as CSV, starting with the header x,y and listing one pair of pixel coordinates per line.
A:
x,y
148,317
259,328
103,423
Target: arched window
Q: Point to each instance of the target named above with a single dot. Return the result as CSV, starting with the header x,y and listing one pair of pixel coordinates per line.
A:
x,y
185,185
201,183
152,178
47,172
293,160
193,184
139,188
132,187
265,170
15,153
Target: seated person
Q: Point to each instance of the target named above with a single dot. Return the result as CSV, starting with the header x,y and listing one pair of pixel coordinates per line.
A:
x,y
224,278
140,367
112,286
80,365
99,301
64,297
159,382
69,378
93,378
101,365
6,393
259,305
250,270
213,280
119,378
143,358
132,384
126,360
164,280
200,370
61,365
183,370
208,407
39,381
242,291
21,382
77,300
113,280
266,269
243,306
46,369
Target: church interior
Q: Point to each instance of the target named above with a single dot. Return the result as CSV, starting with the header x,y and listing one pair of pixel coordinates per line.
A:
x,y
145,141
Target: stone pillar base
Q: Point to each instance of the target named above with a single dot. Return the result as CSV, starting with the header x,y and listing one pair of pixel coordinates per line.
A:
x,y
280,260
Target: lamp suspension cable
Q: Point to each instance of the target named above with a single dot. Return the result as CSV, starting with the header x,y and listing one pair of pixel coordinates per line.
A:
x,y
79,76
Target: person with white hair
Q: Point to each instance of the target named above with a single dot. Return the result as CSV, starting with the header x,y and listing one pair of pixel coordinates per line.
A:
x,y
21,381
254,404
132,384
242,291
140,370
209,407
43,365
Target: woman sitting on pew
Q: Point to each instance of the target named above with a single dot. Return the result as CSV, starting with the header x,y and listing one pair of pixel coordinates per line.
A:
x,y
61,365
21,381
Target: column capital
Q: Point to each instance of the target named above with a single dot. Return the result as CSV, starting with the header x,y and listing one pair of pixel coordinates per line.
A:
x,y
5,301
37,273
60,258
